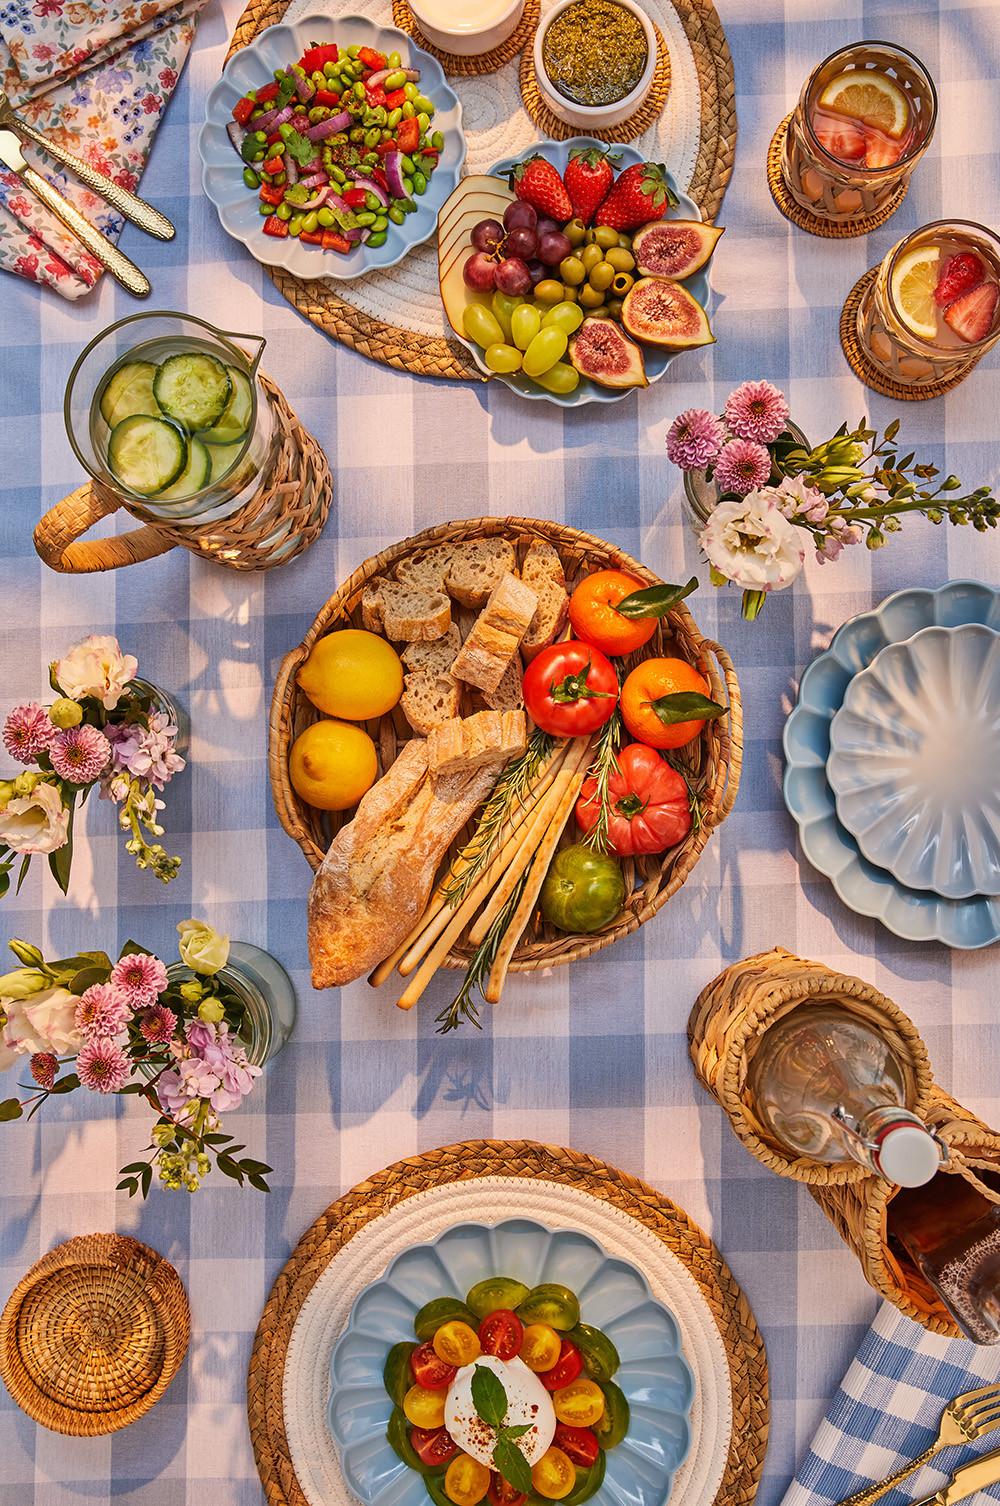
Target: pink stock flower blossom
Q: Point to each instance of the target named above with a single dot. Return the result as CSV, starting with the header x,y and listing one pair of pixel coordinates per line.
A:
x,y
742,467
103,1067
27,732
797,498
140,977
756,410
694,439
212,1066
80,754
157,1025
102,1012
147,752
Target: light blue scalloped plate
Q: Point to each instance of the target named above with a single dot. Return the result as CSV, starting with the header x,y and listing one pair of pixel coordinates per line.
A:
x,y
913,914
222,175
614,1296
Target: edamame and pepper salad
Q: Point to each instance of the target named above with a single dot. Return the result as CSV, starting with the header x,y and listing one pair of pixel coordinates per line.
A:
x,y
338,146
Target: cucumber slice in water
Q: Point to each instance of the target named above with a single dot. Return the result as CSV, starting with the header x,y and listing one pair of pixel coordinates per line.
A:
x,y
147,454
129,391
235,422
221,458
193,389
194,475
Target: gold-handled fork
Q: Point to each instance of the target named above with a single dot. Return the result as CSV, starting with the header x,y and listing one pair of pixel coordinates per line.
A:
x,y
963,1420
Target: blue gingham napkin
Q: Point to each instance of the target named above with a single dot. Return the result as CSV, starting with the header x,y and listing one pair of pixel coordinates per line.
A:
x,y
887,1409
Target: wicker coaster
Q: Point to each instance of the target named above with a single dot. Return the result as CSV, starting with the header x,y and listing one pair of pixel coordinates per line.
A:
x,y
515,1159
646,115
793,211
865,370
483,62
93,1335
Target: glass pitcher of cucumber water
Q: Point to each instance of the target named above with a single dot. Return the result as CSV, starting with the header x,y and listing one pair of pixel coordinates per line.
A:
x,y
169,413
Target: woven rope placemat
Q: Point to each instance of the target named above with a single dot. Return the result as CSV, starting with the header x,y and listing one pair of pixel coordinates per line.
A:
x,y
628,130
507,1158
871,374
483,62
830,229
335,307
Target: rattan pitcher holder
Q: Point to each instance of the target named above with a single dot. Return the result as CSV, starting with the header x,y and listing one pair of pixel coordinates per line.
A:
x,y
727,1023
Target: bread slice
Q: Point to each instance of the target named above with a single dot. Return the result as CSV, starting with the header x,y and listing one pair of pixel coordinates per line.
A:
x,y
407,614
429,570
431,695
490,647
472,741
543,572
508,695
476,569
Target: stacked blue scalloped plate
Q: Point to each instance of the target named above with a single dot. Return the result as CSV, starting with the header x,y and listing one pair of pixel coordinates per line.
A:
x,y
893,764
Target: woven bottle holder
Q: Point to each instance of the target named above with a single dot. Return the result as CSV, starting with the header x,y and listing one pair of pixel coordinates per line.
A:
x,y
283,517
726,1026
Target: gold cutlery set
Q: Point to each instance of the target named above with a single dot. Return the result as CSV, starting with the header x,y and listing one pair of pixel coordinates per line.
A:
x,y
964,1420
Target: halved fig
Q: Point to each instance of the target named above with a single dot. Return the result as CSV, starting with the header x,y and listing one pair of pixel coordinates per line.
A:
x,y
674,248
600,351
659,312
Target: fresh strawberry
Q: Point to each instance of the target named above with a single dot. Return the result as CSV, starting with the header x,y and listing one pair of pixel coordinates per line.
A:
x,y
841,139
960,272
539,184
588,176
972,315
881,153
640,194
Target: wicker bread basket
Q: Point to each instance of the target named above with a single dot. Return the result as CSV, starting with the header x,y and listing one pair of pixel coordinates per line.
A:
x,y
713,761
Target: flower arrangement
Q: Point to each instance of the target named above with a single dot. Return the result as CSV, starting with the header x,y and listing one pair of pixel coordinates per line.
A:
x,y
128,1027
776,498
104,728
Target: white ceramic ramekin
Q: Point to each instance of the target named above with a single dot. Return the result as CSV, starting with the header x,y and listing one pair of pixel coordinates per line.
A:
x,y
594,117
471,39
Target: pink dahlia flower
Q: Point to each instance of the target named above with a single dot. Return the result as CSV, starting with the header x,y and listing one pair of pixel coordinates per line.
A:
x,y
157,1025
103,1067
756,410
742,467
694,439
43,1068
27,732
103,1012
140,978
80,755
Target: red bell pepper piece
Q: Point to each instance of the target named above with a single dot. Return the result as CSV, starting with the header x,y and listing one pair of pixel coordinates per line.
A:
x,y
395,99
372,59
274,138
376,95
311,237
428,151
354,198
380,178
276,227
267,93
408,136
274,165
271,193
324,97
385,147
242,110
313,59
334,242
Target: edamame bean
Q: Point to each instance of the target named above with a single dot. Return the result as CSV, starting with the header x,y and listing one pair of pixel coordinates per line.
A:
x,y
379,115
330,69
266,209
408,110
359,91
357,133
372,203
408,184
283,212
278,149
393,60
386,134
396,215
437,140
310,222
250,178
423,120
338,175
381,222
410,91
408,164
394,81
366,218
325,218
378,239
419,183
352,52
284,131
395,116
373,137
423,103
295,224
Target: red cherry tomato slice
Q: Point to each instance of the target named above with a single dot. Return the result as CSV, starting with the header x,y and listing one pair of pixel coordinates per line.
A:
x,y
430,1372
501,1334
436,1445
502,1493
566,1368
578,1444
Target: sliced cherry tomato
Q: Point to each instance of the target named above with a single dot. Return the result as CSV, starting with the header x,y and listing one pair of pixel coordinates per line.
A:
x,y
570,689
501,1333
429,1370
435,1446
540,1346
371,59
466,1481
313,58
578,1444
266,93
566,1368
408,135
456,1343
554,1475
425,1409
593,612
242,110
324,97
579,1404
395,99
502,1493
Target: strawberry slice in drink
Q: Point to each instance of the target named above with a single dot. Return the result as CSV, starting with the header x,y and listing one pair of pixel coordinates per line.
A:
x,y
880,151
960,272
842,139
972,315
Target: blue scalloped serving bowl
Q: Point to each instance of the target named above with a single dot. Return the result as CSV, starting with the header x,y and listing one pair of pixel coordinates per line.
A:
x,y
222,175
614,1296
913,914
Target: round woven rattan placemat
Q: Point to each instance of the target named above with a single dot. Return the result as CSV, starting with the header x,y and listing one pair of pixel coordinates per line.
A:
x,y
328,305
628,130
484,62
792,210
869,373
507,1158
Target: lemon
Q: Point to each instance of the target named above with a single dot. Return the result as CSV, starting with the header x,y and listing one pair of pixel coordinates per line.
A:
x,y
869,97
332,764
914,279
352,674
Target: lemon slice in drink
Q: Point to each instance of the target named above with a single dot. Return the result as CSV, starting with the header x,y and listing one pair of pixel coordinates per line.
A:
x,y
913,282
869,97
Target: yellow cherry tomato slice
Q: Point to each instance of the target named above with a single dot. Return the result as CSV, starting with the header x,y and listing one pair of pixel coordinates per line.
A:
x,y
540,1346
456,1343
580,1404
554,1475
466,1481
425,1409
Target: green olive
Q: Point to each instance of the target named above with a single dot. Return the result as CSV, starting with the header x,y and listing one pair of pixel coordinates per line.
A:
x,y
625,241
549,291
600,1357
397,1375
590,256
494,1293
590,236
602,276
575,232
430,1318
572,270
598,313
568,293
614,307
620,259
591,298
622,282
605,237
552,1304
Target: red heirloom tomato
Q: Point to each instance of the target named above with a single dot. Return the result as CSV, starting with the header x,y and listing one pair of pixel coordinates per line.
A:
x,y
500,1334
430,1372
578,1444
435,1445
593,612
566,1368
570,689
502,1493
649,804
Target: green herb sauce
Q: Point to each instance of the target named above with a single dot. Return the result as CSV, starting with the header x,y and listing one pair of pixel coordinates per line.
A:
x,y
595,52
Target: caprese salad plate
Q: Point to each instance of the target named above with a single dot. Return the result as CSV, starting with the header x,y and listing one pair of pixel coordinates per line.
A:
x,y
514,1364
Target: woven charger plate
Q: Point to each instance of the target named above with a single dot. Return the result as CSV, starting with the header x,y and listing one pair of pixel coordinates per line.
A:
x,y
351,1243
396,316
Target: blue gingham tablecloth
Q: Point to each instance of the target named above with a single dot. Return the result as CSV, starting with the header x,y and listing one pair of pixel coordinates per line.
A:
x,y
594,1056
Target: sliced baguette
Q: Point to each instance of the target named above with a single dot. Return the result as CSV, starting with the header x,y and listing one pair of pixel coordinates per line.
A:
x,y
508,695
543,572
477,568
407,614
431,694
471,741
491,645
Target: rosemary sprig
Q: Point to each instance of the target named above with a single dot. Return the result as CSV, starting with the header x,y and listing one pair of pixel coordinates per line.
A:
x,y
464,1006
604,766
510,790
693,793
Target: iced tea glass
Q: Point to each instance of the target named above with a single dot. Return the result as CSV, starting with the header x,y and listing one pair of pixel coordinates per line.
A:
x,y
843,168
933,309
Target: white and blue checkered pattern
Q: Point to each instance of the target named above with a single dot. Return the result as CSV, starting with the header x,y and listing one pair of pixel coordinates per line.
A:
x,y
596,1055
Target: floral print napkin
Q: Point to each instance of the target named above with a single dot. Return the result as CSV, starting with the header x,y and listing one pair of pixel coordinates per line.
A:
x,y
96,77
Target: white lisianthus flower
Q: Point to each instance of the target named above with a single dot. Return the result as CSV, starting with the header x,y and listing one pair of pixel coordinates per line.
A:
x,y
96,667
44,1022
752,543
35,822
202,948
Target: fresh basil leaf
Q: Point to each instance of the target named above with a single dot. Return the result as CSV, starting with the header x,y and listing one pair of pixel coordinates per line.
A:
x,y
686,706
512,1465
488,1396
655,601
518,1432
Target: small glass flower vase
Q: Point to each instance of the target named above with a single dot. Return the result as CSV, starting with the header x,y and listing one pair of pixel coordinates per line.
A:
x,y
264,989
701,494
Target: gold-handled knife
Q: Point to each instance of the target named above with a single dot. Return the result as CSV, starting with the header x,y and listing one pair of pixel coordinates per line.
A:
x,y
966,1480
117,263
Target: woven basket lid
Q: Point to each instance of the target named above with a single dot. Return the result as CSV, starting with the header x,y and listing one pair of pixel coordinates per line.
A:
x,y
92,1335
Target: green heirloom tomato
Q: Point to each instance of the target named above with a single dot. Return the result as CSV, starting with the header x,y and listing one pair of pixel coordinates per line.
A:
x,y
583,890
442,1310
613,1426
552,1304
494,1293
600,1357
396,1376
588,1482
398,1435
